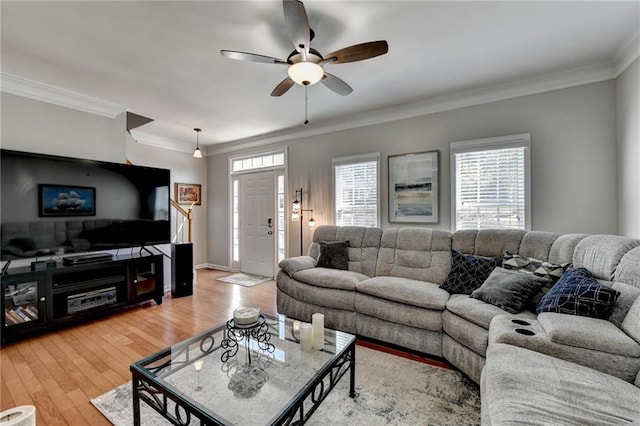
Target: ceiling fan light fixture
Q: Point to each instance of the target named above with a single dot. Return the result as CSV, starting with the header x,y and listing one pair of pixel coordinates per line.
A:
x,y
306,73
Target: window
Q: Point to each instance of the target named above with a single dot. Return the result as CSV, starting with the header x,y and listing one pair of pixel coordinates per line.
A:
x,y
259,161
491,183
356,186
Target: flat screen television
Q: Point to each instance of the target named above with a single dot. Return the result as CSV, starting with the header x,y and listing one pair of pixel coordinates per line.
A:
x,y
59,205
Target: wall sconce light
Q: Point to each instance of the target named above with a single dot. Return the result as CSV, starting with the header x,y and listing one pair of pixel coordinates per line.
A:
x,y
296,215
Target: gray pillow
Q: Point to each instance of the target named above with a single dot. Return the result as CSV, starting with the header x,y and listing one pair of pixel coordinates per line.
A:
x,y
508,290
333,254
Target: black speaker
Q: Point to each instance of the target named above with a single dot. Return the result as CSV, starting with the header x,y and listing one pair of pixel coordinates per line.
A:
x,y
181,269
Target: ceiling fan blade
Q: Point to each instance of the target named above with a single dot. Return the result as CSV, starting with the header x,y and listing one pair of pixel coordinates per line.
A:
x,y
358,52
336,84
251,57
297,22
282,88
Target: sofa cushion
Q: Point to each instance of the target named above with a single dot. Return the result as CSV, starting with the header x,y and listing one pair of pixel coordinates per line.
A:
x,y
601,254
291,265
330,278
477,311
589,333
508,290
403,290
334,255
468,272
519,386
421,254
631,323
364,245
579,293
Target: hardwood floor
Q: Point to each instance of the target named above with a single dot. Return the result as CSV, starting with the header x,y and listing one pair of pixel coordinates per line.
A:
x,y
61,371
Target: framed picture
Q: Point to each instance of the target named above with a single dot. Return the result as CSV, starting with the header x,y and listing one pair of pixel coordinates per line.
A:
x,y
188,193
413,187
66,200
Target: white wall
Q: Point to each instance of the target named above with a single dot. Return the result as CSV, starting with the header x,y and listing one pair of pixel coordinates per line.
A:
x,y
628,126
184,169
34,126
573,158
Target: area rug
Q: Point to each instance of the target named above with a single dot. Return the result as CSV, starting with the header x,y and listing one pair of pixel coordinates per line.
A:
x,y
389,391
245,280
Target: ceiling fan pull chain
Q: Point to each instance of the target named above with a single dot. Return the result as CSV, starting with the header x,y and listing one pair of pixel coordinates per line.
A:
x,y
306,104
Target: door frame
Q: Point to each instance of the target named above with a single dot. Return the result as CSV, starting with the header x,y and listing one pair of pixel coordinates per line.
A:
x,y
281,223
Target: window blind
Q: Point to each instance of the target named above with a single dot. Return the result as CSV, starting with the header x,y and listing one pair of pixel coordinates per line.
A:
x,y
490,189
356,193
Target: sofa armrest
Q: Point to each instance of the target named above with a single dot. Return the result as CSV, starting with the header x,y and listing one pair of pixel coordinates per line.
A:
x,y
589,333
292,265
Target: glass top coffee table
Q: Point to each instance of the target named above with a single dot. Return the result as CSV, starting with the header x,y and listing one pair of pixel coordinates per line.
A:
x,y
245,375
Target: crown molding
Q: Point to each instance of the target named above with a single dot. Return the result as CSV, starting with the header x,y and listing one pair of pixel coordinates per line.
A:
x,y
19,86
555,81
626,53
165,143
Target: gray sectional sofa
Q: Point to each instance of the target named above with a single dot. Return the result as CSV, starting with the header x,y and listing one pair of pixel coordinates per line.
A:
x,y
556,362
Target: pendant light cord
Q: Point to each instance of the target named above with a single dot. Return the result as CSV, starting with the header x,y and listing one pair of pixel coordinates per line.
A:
x,y
306,104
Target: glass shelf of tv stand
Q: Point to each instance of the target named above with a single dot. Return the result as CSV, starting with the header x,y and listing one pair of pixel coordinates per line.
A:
x,y
21,303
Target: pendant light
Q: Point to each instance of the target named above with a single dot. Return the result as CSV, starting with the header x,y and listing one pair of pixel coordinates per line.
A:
x,y
197,153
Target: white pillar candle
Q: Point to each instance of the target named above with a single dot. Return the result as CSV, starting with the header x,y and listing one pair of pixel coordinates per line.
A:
x,y
306,337
317,320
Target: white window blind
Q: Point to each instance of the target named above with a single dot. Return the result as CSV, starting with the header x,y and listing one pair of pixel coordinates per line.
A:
x,y
491,183
356,190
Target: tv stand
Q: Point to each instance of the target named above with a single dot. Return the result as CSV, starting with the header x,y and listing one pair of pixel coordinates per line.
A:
x,y
35,301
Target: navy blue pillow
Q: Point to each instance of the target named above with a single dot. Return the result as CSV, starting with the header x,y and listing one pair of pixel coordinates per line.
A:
x,y
468,272
577,292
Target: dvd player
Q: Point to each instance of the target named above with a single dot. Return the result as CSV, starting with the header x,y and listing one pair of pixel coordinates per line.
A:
x,y
82,259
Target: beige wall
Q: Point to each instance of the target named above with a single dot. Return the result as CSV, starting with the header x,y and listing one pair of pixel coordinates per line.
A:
x,y
573,158
628,120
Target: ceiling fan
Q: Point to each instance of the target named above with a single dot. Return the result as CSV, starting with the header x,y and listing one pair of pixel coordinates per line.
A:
x,y
305,64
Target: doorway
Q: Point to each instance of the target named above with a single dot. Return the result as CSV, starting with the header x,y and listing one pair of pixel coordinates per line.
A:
x,y
258,199
257,223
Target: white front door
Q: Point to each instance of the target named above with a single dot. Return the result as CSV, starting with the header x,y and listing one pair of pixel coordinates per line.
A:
x,y
257,224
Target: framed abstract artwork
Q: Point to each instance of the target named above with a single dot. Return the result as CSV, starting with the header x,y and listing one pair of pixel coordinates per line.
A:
x,y
413,187
188,193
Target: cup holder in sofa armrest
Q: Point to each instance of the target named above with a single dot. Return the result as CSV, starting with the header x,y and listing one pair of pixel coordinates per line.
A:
x,y
520,322
525,331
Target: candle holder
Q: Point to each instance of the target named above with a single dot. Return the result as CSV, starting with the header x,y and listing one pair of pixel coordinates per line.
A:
x,y
243,333
198,366
317,321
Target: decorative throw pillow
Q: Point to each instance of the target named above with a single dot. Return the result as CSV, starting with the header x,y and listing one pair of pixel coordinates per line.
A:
x,y
333,254
508,290
550,272
468,272
579,293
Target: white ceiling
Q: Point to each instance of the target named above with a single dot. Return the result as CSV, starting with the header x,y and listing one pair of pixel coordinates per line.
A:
x,y
161,59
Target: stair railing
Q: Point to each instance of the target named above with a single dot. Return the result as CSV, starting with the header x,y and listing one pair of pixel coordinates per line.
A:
x,y
187,217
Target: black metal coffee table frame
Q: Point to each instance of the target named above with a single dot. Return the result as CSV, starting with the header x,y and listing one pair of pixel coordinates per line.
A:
x,y
181,410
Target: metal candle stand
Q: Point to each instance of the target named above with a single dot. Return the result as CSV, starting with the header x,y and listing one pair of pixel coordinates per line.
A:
x,y
236,333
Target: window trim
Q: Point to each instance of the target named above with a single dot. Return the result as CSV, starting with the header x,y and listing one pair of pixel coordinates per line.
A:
x,y
520,140
354,159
